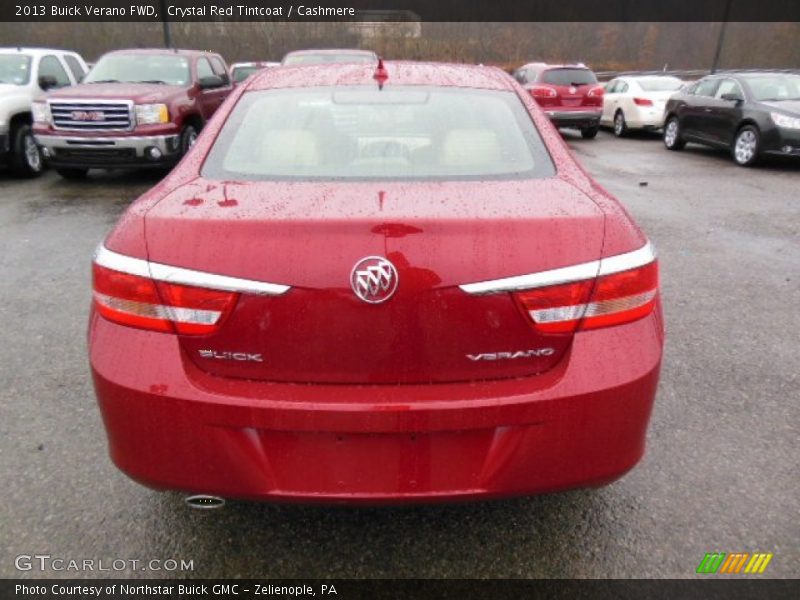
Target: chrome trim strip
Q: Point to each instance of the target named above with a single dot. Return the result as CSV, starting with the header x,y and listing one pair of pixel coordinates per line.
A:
x,y
95,141
630,260
168,144
587,270
160,272
534,280
119,262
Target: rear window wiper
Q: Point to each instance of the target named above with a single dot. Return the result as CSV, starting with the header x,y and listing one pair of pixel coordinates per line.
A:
x,y
151,81
104,81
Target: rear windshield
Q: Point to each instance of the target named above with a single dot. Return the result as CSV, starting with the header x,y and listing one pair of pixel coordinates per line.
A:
x,y
328,57
774,87
661,84
569,77
365,133
140,68
15,69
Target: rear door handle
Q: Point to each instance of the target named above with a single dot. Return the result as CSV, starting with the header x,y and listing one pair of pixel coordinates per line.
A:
x,y
707,109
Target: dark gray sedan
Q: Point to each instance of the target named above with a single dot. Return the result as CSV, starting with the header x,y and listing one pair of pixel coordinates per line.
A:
x,y
750,113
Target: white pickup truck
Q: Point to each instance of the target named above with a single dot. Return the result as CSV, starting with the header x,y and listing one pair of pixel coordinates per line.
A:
x,y
25,75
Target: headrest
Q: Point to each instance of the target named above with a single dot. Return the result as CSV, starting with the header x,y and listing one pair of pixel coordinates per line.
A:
x,y
470,147
290,147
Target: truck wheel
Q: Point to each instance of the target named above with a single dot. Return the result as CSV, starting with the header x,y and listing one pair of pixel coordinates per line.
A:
x,y
72,173
26,159
188,138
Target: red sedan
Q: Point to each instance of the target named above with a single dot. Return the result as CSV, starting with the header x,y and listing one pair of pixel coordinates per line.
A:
x,y
369,284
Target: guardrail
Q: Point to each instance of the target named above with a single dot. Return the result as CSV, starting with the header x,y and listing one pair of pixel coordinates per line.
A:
x,y
685,74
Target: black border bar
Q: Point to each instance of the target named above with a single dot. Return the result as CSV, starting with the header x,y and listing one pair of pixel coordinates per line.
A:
x,y
407,10
712,588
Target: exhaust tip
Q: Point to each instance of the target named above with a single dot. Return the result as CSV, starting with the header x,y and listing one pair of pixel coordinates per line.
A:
x,y
204,502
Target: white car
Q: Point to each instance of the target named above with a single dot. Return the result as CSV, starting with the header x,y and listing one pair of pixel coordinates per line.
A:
x,y
25,75
637,102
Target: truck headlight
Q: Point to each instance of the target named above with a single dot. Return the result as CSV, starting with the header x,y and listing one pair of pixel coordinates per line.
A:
x,y
149,114
41,113
785,121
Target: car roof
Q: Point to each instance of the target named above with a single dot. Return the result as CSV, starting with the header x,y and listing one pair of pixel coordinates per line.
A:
x,y
399,73
753,73
253,63
646,77
176,51
34,51
332,51
545,66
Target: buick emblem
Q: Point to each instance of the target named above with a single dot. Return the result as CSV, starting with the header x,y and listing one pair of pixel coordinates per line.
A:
x,y
87,115
374,279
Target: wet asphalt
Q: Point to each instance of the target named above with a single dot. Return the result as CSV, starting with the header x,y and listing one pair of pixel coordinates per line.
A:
x,y
721,471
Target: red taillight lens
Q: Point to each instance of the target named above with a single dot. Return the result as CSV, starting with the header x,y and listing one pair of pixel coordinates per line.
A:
x,y
622,297
642,102
141,302
610,300
543,92
557,308
595,91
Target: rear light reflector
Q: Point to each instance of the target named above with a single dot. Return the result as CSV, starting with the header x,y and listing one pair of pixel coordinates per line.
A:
x,y
611,291
609,300
556,309
543,92
140,302
642,102
149,295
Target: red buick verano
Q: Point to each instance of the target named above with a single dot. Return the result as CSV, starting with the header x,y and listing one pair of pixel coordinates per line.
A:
x,y
376,285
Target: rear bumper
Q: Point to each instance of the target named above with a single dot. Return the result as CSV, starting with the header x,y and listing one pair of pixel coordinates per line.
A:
x,y
575,118
109,152
171,426
645,118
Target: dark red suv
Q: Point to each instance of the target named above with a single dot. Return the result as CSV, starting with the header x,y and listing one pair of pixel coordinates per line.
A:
x,y
568,94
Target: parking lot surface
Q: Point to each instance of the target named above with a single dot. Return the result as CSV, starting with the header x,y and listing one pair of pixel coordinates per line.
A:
x,y
720,474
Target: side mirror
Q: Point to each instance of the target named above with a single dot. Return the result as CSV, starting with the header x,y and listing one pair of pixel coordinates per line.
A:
x,y
47,82
210,82
732,98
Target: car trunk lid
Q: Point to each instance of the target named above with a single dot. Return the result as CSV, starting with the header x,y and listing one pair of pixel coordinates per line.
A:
x,y
438,236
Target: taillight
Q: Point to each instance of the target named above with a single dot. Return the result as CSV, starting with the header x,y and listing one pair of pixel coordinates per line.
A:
x,y
558,308
642,102
543,92
139,301
591,303
595,91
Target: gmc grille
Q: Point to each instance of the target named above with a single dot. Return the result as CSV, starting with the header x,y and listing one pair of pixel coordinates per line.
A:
x,y
91,115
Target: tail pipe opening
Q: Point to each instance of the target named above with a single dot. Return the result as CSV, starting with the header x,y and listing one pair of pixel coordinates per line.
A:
x,y
204,502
